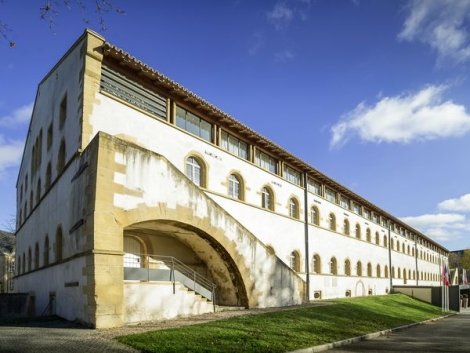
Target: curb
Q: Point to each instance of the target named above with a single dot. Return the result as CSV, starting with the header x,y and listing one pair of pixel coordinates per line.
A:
x,y
327,346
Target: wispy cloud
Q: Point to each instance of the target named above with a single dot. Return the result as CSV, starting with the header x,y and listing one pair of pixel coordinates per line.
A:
x,y
258,41
441,226
18,116
10,152
415,116
460,204
281,15
440,24
283,56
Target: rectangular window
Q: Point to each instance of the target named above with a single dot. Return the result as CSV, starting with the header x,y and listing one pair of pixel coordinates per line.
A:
x,y
291,175
376,218
384,222
357,209
331,195
234,145
193,124
266,162
345,202
314,186
367,214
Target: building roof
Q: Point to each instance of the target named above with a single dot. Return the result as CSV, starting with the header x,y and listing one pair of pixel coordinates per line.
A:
x,y
165,84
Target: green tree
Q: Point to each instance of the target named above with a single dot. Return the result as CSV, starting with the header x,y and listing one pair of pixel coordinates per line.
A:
x,y
49,11
466,259
455,260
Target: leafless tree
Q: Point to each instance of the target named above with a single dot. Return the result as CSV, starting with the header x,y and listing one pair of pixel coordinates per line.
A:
x,y
50,10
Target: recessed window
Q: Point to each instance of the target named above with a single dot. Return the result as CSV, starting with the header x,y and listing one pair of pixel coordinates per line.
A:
x,y
294,261
378,271
333,266
193,124
358,231
234,186
234,145
332,222
314,215
267,198
61,158
46,251
369,269
314,186
50,136
266,162
347,267
359,268
345,202
377,238
331,195
346,227
367,214
293,208
291,175
58,245
194,171
63,111
368,235
316,264
357,209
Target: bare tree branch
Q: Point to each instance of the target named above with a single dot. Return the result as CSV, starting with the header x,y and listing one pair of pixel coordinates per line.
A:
x,y
50,11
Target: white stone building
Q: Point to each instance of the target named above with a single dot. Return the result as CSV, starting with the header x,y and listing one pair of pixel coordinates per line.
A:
x,y
126,176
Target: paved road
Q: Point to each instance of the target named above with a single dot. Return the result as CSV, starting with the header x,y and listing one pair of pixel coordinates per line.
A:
x,y
56,336
451,334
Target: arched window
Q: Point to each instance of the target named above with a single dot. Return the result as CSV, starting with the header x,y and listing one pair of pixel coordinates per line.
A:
x,y
377,238
29,259
58,244
38,191
393,272
332,222
19,265
235,187
358,231
368,235
386,271
267,198
333,266
359,268
412,251
293,208
194,171
346,227
399,272
48,176
398,246
316,264
408,251
378,271
347,267
403,248
46,251
385,242
36,256
314,215
392,244
294,261
369,269
24,264
61,157
414,274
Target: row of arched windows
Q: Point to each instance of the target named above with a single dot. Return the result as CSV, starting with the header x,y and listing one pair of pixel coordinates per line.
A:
x,y
25,210
195,171
31,261
370,270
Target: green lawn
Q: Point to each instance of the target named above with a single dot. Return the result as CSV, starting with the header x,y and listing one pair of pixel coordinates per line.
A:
x,y
290,329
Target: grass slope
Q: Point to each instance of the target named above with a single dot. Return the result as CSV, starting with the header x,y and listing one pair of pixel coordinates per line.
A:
x,y
290,329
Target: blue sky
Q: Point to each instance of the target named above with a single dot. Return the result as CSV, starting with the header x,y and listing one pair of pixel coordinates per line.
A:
x,y
375,94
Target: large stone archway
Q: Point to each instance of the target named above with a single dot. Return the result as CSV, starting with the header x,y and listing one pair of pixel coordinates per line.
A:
x,y
140,191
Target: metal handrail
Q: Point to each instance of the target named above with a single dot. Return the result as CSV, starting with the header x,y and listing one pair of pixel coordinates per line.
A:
x,y
171,263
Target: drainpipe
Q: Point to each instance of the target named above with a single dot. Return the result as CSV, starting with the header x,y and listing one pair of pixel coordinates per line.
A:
x,y
307,256
390,256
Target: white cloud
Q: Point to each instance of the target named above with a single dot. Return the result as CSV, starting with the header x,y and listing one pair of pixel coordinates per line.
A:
x,y
441,25
19,116
461,204
10,152
258,42
421,116
281,15
286,55
441,226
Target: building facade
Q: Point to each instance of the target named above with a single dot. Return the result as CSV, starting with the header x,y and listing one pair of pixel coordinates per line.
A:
x,y
139,200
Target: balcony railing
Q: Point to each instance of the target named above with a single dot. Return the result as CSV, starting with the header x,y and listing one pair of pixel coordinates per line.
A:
x,y
143,267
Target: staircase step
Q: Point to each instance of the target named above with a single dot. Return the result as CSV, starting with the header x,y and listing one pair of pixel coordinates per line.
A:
x,y
219,308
